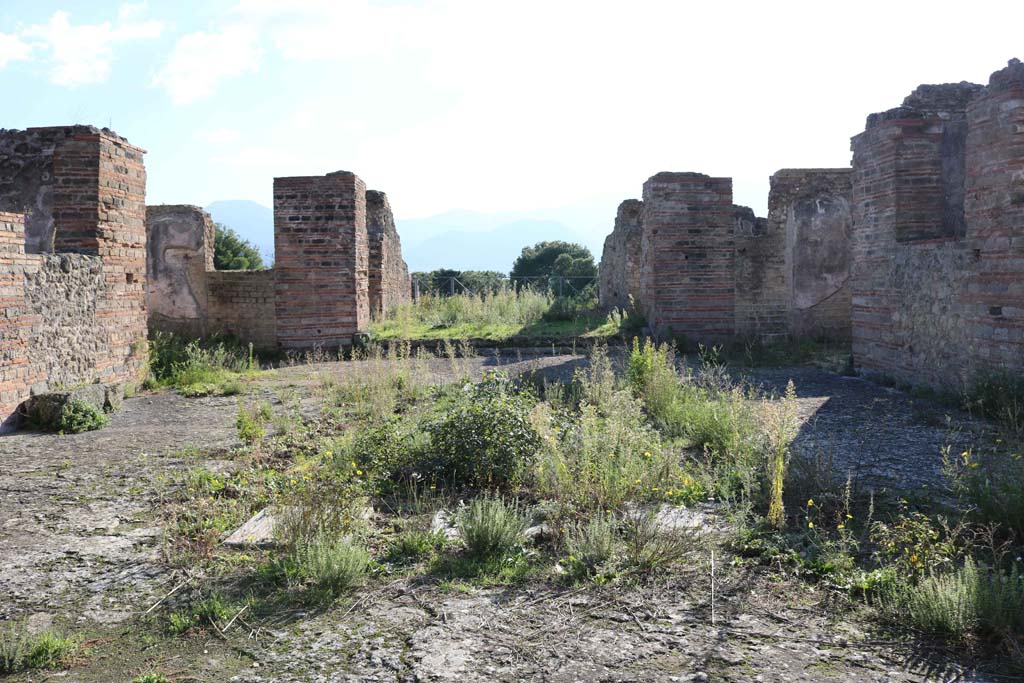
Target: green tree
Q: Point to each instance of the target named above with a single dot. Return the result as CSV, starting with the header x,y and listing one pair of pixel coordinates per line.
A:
x,y
553,259
231,252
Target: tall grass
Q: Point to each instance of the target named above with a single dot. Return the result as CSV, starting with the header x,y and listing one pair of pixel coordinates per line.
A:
x,y
523,307
491,528
197,367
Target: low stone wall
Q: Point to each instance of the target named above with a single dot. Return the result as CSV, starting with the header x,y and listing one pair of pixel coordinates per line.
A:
x,y
241,303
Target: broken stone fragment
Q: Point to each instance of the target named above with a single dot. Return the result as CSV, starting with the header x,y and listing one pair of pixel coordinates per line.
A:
x,y
444,522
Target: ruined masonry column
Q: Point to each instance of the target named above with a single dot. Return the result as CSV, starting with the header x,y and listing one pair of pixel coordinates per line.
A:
x,y
321,260
687,283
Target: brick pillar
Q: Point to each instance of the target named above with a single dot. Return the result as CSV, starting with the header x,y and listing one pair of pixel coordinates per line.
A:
x,y
687,282
321,260
993,302
99,208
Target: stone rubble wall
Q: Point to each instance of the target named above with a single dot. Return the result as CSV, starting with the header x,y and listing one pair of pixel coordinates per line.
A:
x,y
619,284
938,236
387,274
77,316
321,260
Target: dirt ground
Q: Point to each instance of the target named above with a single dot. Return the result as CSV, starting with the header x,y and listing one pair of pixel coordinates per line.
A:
x,y
80,550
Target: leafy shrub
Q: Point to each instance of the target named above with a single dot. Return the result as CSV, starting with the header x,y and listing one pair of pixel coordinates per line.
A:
x,y
80,416
490,527
590,545
485,439
20,651
251,420
916,545
333,565
388,450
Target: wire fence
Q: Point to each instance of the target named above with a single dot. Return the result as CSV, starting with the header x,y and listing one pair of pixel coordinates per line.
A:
x,y
559,285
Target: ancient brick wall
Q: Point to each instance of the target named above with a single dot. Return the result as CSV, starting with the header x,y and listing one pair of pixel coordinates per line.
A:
x,y
993,297
762,296
687,279
937,250
321,260
80,315
241,303
811,208
387,273
620,259
180,252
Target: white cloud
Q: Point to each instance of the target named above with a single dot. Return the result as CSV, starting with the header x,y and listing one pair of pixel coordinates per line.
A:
x,y
201,60
82,54
12,49
221,136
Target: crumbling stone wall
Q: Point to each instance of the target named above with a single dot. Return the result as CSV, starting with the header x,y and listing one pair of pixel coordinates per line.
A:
x,y
77,316
811,208
687,256
321,253
620,259
388,275
762,296
938,234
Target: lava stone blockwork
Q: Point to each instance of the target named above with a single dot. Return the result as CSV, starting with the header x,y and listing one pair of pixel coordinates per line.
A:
x,y
687,281
620,260
388,273
321,260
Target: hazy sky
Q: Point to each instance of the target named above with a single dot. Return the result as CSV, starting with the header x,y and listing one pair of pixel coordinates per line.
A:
x,y
484,105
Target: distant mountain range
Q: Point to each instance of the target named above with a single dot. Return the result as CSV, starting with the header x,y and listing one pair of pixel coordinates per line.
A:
x,y
463,240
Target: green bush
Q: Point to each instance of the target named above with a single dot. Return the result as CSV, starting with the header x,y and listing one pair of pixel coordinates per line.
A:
x,y
80,416
151,677
491,528
992,485
485,439
389,450
333,565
